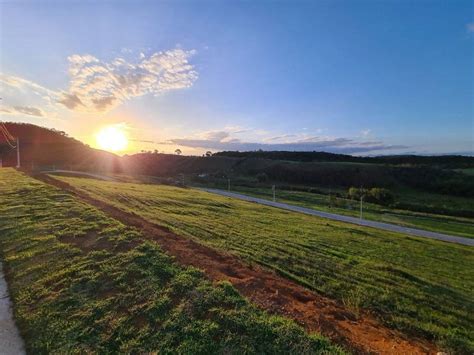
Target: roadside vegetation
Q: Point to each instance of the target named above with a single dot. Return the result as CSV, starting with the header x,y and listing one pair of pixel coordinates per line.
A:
x,y
419,286
82,282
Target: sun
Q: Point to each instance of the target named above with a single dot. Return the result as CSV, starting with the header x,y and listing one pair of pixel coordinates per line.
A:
x,y
112,138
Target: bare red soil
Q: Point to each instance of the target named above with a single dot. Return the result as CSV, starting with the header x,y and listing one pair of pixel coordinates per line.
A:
x,y
274,293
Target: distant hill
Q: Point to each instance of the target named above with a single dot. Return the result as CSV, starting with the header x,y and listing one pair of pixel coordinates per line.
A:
x,y
43,147
445,161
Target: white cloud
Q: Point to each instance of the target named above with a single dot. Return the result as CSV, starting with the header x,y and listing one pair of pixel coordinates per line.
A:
x,y
98,86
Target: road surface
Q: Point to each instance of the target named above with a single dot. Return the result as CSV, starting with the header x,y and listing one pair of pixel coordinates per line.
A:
x,y
10,340
342,218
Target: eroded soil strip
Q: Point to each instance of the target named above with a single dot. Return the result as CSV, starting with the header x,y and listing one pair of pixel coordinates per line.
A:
x,y
363,334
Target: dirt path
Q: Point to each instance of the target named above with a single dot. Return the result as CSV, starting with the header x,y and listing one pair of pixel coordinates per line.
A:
x,y
10,340
268,290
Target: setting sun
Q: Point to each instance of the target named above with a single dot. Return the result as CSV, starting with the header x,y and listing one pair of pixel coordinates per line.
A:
x,y
112,138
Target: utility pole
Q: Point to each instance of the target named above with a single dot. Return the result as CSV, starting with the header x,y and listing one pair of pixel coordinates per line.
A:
x,y
273,190
18,164
361,198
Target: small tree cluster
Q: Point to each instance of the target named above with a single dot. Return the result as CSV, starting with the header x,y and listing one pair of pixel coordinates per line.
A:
x,y
375,194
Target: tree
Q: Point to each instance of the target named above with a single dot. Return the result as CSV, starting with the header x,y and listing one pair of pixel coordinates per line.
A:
x,y
356,193
178,151
382,196
208,153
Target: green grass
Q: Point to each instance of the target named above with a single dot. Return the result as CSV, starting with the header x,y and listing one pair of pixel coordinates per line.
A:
x,y
459,226
81,282
419,286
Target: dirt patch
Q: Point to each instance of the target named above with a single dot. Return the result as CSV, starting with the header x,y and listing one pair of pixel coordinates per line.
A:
x,y
86,242
362,334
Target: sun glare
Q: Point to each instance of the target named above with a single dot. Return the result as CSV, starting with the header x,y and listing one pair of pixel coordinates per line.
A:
x,y
112,138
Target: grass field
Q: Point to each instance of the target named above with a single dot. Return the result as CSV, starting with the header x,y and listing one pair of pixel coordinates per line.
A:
x,y
84,283
420,286
459,226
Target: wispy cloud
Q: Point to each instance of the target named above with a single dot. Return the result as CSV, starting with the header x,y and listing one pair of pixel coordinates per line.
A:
x,y
284,137
27,110
365,133
98,86
22,110
470,27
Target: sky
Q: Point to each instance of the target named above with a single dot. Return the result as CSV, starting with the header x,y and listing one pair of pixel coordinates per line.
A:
x,y
355,77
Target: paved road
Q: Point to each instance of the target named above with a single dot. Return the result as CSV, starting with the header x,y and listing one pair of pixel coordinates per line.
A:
x,y
353,220
10,340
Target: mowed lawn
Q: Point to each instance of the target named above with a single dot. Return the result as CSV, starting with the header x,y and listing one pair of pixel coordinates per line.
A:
x,y
420,286
84,283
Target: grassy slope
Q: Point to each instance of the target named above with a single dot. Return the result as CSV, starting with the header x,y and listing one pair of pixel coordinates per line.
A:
x,y
118,292
460,226
418,285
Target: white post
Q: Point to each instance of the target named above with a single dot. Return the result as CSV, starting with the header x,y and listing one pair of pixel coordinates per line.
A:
x,y
18,164
228,184
273,190
361,198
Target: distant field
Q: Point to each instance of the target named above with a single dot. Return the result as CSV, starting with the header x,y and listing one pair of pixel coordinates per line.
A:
x,y
84,283
460,226
468,171
419,286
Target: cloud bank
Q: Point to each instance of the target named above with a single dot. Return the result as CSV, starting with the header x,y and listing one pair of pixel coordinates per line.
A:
x,y
223,140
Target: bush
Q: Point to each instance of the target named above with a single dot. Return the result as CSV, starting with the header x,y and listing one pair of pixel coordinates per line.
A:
x,y
354,193
380,195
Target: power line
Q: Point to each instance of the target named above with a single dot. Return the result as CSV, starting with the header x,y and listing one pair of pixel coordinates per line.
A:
x,y
7,135
6,130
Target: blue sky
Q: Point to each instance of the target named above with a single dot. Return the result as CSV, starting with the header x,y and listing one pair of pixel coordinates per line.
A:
x,y
359,77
